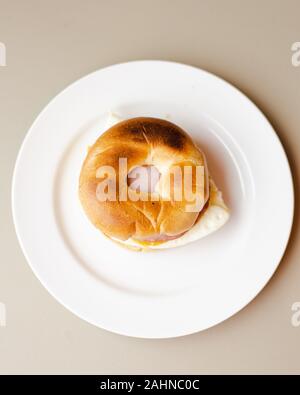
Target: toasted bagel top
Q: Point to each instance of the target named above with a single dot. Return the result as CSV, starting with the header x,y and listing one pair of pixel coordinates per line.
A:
x,y
144,215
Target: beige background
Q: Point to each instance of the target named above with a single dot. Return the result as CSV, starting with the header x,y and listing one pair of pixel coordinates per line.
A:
x,y
52,43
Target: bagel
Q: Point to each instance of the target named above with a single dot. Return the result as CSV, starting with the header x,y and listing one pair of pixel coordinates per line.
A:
x,y
156,213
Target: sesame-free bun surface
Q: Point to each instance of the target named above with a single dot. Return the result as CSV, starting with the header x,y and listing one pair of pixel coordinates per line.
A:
x,y
215,215
143,142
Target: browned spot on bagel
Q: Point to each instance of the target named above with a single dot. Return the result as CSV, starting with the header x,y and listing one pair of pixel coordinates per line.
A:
x,y
155,130
174,139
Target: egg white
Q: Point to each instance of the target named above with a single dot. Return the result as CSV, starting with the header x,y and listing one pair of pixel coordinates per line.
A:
x,y
215,216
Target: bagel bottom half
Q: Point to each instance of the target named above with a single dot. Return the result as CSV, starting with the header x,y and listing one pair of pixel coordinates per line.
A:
x,y
213,217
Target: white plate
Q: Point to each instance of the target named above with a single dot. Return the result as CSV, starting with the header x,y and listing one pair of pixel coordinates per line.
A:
x,y
166,293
